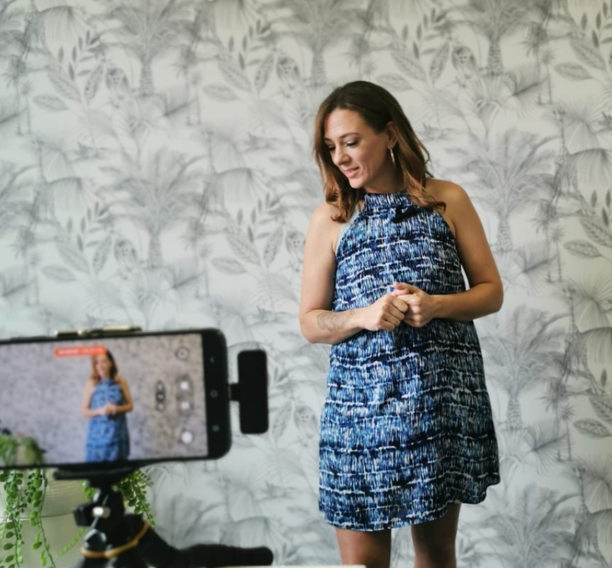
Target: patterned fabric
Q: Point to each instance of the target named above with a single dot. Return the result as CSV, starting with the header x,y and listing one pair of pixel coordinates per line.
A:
x,y
107,437
406,428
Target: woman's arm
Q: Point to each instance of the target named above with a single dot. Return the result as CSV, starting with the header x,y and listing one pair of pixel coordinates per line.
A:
x,y
485,293
128,406
87,394
318,322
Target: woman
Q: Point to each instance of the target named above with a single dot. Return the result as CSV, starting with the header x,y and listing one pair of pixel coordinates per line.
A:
x,y
106,400
406,429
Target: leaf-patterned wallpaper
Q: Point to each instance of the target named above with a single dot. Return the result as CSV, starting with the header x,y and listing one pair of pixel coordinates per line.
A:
x,y
155,169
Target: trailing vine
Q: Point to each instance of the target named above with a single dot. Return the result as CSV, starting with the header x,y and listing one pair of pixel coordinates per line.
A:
x,y
24,495
134,490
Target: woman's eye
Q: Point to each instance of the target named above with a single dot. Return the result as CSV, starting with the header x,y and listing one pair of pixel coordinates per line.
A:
x,y
351,144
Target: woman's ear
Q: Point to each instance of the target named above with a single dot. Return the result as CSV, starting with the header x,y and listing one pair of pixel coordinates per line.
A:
x,y
391,131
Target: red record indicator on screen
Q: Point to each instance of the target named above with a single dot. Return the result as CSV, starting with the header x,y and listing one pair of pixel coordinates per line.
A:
x,y
80,351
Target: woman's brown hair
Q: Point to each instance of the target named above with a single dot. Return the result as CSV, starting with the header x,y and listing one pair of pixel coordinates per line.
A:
x,y
377,107
113,368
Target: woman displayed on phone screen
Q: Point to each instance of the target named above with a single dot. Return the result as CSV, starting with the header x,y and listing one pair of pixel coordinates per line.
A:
x,y
106,401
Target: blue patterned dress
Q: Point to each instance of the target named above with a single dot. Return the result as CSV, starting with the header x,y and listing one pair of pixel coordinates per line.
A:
x,y
107,436
406,428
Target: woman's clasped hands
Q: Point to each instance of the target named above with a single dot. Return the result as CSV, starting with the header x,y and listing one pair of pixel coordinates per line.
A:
x,y
421,305
405,303
109,409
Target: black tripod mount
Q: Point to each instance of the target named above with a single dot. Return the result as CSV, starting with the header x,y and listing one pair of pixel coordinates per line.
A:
x,y
128,541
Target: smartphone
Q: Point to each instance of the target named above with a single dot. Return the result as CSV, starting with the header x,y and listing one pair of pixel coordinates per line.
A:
x,y
99,400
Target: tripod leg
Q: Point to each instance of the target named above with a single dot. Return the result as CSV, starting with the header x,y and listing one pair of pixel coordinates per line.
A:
x,y
157,552
129,559
91,563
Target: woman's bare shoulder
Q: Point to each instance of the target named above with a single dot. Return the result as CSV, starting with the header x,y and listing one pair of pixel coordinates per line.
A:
x,y
446,191
323,230
325,213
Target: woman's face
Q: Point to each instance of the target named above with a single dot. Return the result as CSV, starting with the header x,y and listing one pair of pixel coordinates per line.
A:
x,y
103,366
359,152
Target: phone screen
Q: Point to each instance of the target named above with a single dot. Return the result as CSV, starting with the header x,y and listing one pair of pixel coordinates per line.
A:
x,y
107,400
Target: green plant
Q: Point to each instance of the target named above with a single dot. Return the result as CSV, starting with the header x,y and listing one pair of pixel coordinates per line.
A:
x,y
24,494
24,490
134,490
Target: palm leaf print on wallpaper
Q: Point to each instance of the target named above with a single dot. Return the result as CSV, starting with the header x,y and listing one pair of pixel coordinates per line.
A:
x,y
156,169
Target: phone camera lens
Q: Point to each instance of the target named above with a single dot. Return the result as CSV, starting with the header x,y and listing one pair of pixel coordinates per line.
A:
x,y
182,353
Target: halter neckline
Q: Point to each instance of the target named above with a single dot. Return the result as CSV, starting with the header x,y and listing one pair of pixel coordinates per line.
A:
x,y
382,201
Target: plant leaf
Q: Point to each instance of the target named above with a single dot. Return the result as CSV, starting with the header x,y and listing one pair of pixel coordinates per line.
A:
x,y
220,92
64,86
93,83
603,407
243,248
572,71
588,54
73,257
58,273
439,62
597,231
234,75
228,265
263,73
50,102
394,81
409,65
273,246
582,249
101,254
592,428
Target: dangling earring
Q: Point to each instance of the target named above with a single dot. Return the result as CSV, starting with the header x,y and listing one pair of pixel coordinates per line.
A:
x,y
392,156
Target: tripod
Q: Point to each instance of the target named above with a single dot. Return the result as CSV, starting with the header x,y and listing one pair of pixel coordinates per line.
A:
x,y
130,542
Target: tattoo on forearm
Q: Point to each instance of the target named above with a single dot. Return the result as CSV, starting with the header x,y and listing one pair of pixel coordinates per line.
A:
x,y
332,321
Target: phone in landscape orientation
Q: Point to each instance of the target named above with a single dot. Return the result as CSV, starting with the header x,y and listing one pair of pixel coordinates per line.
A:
x,y
110,399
